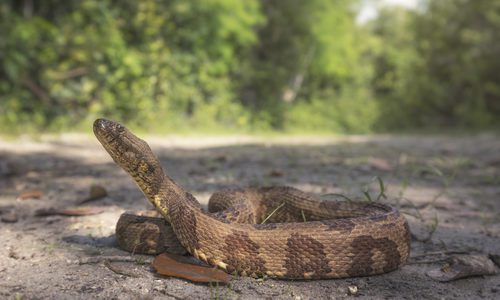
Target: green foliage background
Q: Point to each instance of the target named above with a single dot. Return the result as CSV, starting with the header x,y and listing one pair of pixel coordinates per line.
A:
x,y
219,65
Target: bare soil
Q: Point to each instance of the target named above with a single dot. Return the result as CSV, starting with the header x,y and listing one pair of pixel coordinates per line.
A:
x,y
448,186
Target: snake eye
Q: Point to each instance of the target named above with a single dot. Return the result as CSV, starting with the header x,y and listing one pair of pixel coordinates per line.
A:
x,y
120,128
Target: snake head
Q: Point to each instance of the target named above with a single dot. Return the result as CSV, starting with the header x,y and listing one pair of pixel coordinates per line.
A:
x,y
126,149
136,158
111,135
106,130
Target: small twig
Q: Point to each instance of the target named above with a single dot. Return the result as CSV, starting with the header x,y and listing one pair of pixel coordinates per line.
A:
x,y
440,253
415,258
113,258
272,213
432,261
415,206
118,270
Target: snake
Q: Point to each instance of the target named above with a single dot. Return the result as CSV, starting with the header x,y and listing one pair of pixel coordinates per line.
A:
x,y
277,232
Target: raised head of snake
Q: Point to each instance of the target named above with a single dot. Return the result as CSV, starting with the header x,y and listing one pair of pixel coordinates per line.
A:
x,y
135,157
306,238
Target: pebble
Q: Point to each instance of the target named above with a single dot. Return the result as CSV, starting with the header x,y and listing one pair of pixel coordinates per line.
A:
x,y
352,290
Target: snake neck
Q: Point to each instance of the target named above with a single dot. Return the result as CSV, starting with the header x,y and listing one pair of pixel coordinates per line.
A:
x,y
170,198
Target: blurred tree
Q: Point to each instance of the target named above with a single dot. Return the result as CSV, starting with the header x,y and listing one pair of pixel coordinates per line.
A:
x,y
65,62
438,66
308,68
393,56
458,42
261,64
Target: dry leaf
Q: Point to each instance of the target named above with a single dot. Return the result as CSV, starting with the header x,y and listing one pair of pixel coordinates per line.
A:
x,y
96,192
6,208
276,173
170,265
70,211
380,164
122,270
493,162
10,217
36,194
461,266
221,158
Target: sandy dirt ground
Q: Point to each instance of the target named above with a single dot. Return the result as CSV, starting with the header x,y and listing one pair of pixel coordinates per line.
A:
x,y
449,188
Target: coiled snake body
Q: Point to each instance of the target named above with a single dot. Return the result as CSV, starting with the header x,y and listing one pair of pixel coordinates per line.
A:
x,y
306,238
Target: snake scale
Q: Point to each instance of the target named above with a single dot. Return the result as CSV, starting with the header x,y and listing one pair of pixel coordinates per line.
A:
x,y
306,238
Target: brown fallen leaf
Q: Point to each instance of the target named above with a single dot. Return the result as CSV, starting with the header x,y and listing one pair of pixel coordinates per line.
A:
x,y
35,194
120,269
461,266
221,158
69,211
170,265
276,173
6,208
380,164
139,259
493,162
96,192
10,217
